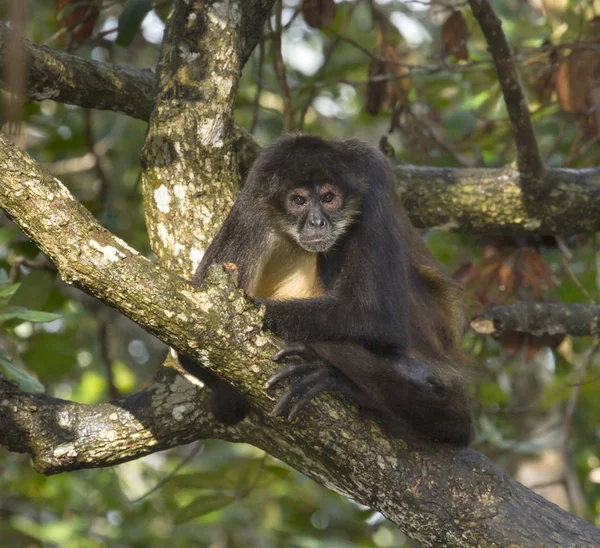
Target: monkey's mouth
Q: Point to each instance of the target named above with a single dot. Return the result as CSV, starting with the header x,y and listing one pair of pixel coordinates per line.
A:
x,y
316,245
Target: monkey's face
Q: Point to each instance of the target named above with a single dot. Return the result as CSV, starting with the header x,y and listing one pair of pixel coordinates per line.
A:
x,y
317,216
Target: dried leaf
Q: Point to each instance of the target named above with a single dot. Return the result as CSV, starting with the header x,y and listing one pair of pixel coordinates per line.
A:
x,y
387,92
574,80
512,341
506,279
376,90
455,35
543,77
318,14
78,17
466,274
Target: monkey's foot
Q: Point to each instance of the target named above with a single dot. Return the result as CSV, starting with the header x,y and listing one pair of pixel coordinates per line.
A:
x,y
315,377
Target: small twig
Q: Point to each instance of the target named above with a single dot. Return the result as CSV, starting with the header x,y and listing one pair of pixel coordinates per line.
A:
x,y
279,65
568,420
597,263
565,256
573,149
93,149
196,450
574,397
328,56
245,492
103,326
259,85
528,155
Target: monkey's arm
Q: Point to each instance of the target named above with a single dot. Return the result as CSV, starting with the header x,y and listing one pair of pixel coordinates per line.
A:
x,y
335,319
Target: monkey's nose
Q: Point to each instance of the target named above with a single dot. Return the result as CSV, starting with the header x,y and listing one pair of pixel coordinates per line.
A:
x,y
316,223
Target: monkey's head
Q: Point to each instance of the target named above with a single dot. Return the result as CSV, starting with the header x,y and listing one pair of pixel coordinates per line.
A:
x,y
309,189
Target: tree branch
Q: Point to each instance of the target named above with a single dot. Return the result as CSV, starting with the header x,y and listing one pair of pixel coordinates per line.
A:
x,y
62,436
540,319
529,161
475,502
493,201
89,84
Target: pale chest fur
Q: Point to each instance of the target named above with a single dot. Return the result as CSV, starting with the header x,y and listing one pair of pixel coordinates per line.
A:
x,y
288,272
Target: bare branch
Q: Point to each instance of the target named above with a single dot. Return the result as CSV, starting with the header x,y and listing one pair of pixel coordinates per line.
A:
x,y
528,155
89,84
487,201
474,200
62,435
279,66
540,319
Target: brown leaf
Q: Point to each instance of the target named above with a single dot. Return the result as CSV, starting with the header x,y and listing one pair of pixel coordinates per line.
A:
x,y
377,90
318,14
543,76
466,274
506,279
455,35
387,92
79,22
574,80
512,341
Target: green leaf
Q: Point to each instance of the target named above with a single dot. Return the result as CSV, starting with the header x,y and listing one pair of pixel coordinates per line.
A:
x,y
7,234
131,18
12,312
34,291
26,382
50,355
204,504
9,289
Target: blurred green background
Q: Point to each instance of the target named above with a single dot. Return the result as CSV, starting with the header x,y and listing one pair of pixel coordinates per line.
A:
x,y
534,399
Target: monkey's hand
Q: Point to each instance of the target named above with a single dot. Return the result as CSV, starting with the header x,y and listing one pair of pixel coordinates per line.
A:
x,y
315,376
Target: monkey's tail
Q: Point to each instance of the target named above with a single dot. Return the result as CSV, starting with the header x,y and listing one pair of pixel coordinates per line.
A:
x,y
227,405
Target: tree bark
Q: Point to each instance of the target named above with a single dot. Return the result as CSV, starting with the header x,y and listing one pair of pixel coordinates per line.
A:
x,y
439,495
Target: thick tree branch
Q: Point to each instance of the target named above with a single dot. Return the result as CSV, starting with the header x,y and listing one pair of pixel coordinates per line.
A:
x,y
90,84
529,161
438,495
62,435
488,201
540,319
190,174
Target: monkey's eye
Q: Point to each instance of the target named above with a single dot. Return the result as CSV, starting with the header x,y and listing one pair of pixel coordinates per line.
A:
x,y
299,200
327,198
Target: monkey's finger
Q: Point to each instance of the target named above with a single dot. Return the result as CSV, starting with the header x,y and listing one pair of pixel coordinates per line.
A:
x,y
294,349
298,388
328,385
288,371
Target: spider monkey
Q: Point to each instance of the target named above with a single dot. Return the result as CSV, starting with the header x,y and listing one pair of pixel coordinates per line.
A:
x,y
320,238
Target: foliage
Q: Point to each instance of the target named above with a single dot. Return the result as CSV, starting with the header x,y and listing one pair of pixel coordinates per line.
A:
x,y
416,72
